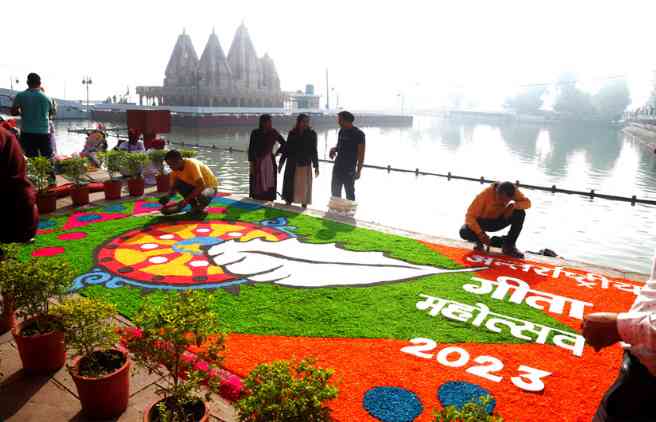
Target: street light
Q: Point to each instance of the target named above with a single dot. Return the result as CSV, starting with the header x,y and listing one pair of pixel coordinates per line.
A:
x,y
87,81
402,97
13,79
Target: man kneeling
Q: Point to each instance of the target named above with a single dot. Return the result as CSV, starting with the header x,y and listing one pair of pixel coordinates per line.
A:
x,y
497,207
191,179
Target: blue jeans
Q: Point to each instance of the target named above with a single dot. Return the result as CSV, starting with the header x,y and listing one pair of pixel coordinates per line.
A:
x,y
346,179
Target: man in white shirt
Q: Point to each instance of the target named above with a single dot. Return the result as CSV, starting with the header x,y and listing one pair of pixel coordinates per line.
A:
x,y
631,397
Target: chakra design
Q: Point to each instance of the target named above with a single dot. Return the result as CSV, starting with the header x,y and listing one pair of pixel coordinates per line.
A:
x,y
174,255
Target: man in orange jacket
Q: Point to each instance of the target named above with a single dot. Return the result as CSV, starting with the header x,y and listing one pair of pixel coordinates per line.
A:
x,y
497,207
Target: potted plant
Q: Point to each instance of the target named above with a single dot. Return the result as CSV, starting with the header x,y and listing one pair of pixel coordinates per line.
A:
x,y
134,163
40,170
31,284
156,156
182,334
75,168
112,186
284,391
101,372
7,308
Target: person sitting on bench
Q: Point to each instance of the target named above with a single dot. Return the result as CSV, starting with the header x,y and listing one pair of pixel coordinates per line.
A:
x,y
191,179
497,207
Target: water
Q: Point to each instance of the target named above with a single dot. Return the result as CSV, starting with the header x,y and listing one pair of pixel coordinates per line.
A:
x,y
582,158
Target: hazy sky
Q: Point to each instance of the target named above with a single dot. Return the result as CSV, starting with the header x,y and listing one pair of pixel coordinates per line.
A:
x,y
374,50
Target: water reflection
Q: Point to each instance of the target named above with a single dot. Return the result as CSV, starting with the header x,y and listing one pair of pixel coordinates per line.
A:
x,y
573,157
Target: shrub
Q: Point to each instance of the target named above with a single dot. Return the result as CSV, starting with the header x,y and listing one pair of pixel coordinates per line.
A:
x,y
113,160
39,170
90,333
156,156
182,333
74,168
287,392
134,163
474,411
31,284
188,153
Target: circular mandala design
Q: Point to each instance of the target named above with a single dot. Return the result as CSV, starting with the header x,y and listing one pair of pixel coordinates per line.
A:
x,y
175,254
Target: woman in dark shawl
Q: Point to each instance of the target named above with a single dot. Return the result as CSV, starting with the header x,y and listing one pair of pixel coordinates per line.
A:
x,y
22,217
263,167
300,154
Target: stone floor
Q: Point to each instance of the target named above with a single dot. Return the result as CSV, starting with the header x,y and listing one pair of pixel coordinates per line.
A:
x,y
28,398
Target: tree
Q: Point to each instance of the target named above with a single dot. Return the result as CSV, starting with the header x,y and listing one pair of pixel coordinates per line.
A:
x,y
527,101
612,99
570,100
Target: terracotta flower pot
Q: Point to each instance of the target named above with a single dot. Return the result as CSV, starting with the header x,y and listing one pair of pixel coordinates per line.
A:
x,y
46,202
105,397
136,186
41,353
80,195
152,409
112,189
8,315
163,183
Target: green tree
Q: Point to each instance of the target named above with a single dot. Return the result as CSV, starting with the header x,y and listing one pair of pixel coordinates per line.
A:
x,y
570,100
612,99
527,101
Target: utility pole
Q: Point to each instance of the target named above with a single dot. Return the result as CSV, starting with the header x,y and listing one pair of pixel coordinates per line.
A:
x,y
86,81
327,92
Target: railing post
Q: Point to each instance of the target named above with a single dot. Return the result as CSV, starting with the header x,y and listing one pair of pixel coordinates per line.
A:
x,y
633,200
553,188
592,193
416,172
482,180
389,168
448,176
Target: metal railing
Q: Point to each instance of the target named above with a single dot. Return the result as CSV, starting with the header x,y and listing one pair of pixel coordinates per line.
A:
x,y
449,176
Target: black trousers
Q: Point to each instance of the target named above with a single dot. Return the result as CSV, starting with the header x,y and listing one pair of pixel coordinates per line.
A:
x,y
35,144
516,223
200,202
631,397
346,179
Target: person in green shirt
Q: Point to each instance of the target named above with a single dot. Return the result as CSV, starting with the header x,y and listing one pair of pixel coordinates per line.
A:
x,y
35,108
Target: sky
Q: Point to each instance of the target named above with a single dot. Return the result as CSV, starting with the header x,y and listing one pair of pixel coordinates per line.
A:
x,y
380,54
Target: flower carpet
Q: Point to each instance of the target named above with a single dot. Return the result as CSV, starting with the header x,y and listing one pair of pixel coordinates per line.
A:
x,y
408,326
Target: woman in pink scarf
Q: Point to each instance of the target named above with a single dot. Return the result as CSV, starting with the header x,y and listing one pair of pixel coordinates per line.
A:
x,y
263,169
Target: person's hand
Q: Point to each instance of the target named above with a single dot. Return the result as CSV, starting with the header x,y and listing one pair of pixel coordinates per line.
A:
x,y
484,238
316,172
164,200
600,330
358,174
333,152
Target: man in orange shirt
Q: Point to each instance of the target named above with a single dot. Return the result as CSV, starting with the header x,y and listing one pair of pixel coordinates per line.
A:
x,y
497,207
191,179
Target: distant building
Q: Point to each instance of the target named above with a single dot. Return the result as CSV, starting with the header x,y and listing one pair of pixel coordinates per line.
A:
x,y
300,100
239,80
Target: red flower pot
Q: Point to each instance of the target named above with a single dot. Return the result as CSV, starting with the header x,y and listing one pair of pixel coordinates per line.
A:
x,y
41,353
80,195
46,202
105,397
112,189
163,183
8,315
152,409
136,186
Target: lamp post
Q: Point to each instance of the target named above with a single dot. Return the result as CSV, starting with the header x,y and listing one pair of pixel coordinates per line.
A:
x,y
13,79
402,97
86,81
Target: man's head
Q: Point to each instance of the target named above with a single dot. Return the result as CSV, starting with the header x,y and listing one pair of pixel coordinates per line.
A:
x,y
174,159
265,121
505,192
33,80
302,121
345,119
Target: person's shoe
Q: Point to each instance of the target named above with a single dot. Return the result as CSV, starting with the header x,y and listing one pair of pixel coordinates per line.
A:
x,y
497,241
512,252
479,247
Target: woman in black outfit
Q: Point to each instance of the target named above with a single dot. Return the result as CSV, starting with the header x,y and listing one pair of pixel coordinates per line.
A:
x,y
300,154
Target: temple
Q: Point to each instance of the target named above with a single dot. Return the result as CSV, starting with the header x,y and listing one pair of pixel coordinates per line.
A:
x,y
240,79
